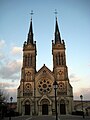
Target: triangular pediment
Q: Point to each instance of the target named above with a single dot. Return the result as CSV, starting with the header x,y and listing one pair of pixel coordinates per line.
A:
x,y
44,71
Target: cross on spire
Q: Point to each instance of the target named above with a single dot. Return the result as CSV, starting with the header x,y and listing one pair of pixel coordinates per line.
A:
x,y
56,13
31,13
57,33
30,34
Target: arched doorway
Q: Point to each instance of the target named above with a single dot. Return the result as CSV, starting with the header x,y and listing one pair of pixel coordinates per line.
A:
x,y
62,107
45,109
45,106
27,108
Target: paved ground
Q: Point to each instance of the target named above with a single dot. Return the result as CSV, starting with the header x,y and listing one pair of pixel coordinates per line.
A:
x,y
73,117
17,118
43,118
62,117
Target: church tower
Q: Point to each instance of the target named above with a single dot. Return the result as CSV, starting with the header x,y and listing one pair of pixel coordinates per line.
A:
x,y
59,57
29,56
26,88
60,70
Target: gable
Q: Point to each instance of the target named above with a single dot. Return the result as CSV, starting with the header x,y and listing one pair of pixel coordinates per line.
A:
x,y
44,72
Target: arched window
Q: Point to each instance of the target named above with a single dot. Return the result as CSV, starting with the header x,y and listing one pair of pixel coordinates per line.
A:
x,y
30,60
28,76
56,60
59,58
62,59
26,60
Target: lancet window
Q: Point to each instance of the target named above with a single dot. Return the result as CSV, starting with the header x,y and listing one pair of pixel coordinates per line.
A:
x,y
28,76
28,60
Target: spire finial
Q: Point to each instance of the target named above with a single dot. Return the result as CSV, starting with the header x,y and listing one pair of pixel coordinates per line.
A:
x,y
30,34
57,33
31,13
56,13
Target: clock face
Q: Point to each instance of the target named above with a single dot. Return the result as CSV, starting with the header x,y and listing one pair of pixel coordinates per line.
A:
x,y
44,86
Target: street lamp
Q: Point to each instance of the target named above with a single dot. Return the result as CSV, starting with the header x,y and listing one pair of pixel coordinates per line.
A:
x,y
55,88
11,98
81,97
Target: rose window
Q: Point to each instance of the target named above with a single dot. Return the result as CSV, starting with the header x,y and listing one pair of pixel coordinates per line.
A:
x,y
44,86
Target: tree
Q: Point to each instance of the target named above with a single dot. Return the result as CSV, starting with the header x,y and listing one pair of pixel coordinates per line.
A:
x,y
3,102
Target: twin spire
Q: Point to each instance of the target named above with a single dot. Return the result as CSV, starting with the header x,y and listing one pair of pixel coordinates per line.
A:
x,y
57,34
30,34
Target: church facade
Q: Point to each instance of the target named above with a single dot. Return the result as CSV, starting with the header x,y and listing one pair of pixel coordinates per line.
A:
x,y
36,94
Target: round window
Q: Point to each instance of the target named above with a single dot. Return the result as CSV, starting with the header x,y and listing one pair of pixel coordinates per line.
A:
x,y
45,86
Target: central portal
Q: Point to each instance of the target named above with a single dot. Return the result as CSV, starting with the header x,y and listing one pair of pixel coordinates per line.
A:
x,y
27,108
45,109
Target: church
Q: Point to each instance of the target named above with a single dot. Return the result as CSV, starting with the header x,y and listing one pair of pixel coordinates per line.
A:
x,y
36,94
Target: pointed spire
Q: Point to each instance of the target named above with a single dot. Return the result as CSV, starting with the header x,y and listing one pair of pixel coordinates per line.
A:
x,y
57,33
30,34
31,29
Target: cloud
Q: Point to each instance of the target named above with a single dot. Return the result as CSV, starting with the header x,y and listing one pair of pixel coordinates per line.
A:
x,y
13,93
89,65
80,86
2,43
10,93
8,85
83,91
10,70
74,78
9,89
1,56
16,50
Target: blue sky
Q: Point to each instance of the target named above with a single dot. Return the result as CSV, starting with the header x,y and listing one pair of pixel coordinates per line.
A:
x,y
74,24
